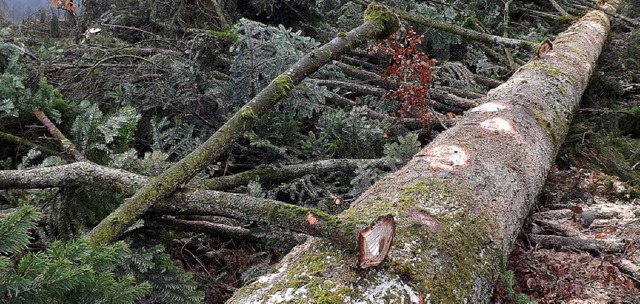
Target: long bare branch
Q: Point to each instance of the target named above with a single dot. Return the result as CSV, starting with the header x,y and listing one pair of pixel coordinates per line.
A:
x,y
459,30
283,173
199,202
379,23
75,174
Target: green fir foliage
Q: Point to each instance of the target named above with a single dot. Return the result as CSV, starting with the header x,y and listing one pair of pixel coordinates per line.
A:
x,y
14,229
255,189
98,135
76,272
79,208
18,101
347,134
631,9
169,284
403,150
173,138
12,90
261,53
442,43
365,177
49,100
71,272
307,100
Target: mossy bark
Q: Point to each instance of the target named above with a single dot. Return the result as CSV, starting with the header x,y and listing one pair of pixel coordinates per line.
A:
x,y
273,174
191,202
459,203
110,228
459,30
270,212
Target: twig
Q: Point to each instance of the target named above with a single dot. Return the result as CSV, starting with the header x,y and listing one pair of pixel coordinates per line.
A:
x,y
215,228
350,86
629,268
505,34
279,174
117,56
487,82
559,8
451,102
23,142
133,29
590,6
610,245
67,145
558,229
358,62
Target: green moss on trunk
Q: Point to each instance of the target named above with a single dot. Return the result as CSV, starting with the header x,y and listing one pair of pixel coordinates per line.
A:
x,y
385,21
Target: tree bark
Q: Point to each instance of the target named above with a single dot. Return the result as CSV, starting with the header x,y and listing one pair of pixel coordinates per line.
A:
x,y
459,204
191,202
379,23
459,30
276,174
608,245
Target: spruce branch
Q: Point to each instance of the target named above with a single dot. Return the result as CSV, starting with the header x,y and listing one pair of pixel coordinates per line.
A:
x,y
273,213
14,229
559,8
203,202
379,22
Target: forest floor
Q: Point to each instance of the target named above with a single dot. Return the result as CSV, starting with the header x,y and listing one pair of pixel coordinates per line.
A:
x,y
580,262
581,244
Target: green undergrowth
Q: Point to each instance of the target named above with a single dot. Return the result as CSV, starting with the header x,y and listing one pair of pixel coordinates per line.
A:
x,y
507,278
606,141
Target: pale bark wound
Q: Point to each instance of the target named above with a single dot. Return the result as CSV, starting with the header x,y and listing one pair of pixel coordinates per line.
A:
x,y
375,240
544,48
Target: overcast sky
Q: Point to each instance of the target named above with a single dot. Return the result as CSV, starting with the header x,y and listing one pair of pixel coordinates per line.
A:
x,y
19,9
22,5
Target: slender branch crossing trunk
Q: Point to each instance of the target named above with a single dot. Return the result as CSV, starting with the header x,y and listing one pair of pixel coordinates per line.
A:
x,y
461,201
379,22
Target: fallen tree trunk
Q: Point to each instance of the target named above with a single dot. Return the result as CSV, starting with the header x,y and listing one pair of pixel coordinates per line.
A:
x,y
461,201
